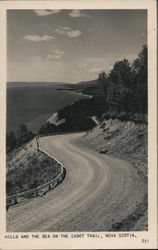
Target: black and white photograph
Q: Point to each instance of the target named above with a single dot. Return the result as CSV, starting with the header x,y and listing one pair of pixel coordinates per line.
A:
x,y
77,122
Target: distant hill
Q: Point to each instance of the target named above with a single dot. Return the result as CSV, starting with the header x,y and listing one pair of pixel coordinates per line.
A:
x,y
87,84
91,87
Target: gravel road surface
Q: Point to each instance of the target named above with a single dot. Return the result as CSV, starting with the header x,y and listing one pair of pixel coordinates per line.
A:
x,y
97,192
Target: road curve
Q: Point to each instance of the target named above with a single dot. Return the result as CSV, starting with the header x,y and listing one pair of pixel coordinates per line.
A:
x,y
97,192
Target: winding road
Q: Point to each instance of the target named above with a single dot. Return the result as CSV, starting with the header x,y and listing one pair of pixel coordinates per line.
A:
x,y
97,192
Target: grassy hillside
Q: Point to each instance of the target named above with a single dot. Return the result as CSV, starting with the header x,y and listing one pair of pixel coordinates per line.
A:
x,y
28,168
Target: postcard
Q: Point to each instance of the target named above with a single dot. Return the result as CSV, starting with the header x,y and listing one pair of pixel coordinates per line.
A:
x,y
78,124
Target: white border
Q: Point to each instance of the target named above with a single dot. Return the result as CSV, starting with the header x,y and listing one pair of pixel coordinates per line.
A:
x,y
111,243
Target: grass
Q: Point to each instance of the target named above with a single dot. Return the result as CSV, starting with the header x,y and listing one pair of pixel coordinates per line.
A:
x,y
35,169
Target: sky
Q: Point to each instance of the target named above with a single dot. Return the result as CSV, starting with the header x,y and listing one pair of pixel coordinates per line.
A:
x,y
71,45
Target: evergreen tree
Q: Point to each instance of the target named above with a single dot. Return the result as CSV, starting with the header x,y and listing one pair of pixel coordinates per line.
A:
x,y
140,90
11,141
125,87
102,79
119,85
23,135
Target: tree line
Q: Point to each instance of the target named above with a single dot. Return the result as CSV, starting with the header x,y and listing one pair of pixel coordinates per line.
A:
x,y
125,87
21,137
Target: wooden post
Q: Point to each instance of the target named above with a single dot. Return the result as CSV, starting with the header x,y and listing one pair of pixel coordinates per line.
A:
x,y
15,200
36,192
50,186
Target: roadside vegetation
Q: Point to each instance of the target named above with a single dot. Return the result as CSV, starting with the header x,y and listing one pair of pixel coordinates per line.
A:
x,y
28,169
21,137
125,87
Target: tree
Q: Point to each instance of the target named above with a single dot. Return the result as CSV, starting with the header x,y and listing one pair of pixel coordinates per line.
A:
x,y
140,71
102,79
9,187
119,85
47,128
23,135
11,141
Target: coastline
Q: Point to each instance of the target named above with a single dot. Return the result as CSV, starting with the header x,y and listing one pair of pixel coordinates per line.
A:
x,y
76,93
33,111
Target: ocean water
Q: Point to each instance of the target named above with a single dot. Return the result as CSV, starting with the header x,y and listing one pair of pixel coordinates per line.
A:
x,y
34,104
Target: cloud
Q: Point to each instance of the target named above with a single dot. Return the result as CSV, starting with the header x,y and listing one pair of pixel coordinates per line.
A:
x,y
77,13
89,66
68,31
74,33
46,12
55,54
93,59
96,70
59,52
36,38
63,30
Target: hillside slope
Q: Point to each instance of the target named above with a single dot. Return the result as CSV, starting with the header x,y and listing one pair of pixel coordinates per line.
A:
x,y
28,168
122,139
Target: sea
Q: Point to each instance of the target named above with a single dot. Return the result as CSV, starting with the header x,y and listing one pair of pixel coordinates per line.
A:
x,y
32,104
